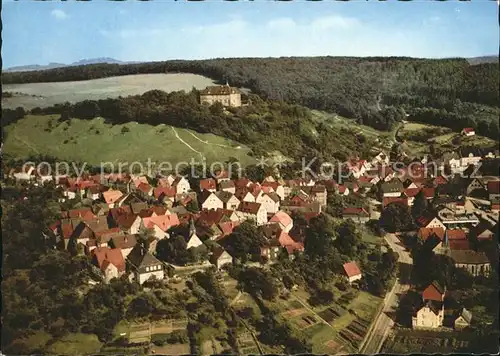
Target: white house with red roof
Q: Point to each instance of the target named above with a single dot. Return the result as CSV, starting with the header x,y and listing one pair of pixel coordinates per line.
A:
x,y
111,197
210,201
208,184
283,219
110,261
468,131
359,215
161,224
181,185
252,211
271,202
352,271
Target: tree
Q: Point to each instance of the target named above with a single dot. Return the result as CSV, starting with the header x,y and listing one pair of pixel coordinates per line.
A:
x,y
320,236
349,239
244,242
259,283
395,217
173,250
419,205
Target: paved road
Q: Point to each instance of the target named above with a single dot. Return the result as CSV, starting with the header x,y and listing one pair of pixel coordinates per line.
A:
x,y
384,323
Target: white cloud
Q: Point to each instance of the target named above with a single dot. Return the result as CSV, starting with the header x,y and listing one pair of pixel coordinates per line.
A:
x,y
59,14
282,23
334,21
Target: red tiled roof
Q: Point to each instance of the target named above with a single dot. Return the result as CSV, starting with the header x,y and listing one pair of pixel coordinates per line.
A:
x,y
468,130
281,217
144,187
456,234
106,256
351,269
493,187
249,207
168,192
112,196
83,213
440,180
164,222
411,192
424,233
398,200
208,184
433,292
428,192
459,244
354,211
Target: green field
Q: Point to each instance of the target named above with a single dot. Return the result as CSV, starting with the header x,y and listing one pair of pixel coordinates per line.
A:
x,y
94,141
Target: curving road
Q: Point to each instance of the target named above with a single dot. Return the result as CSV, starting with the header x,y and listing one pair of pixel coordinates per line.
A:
x,y
375,338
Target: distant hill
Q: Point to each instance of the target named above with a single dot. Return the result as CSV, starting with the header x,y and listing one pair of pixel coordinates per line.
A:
x,y
481,60
34,67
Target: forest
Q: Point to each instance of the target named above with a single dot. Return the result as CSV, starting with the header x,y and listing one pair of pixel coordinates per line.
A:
x,y
358,88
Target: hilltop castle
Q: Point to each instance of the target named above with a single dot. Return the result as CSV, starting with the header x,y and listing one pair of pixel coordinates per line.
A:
x,y
223,94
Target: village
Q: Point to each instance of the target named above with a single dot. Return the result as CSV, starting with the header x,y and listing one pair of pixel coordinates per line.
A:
x,y
124,217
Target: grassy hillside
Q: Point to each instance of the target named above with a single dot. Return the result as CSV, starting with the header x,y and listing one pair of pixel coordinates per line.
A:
x,y
31,95
94,141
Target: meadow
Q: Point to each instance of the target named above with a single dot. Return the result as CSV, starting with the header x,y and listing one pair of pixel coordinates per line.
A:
x,y
94,141
31,95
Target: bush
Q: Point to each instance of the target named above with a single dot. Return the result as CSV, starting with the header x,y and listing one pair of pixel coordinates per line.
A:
x,y
125,129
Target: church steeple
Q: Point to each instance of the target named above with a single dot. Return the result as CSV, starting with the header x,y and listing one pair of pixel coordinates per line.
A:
x,y
192,228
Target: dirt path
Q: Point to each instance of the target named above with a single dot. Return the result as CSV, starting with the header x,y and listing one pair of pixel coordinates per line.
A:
x,y
187,144
214,144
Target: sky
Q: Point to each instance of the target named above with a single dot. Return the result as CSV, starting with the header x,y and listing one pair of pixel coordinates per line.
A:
x,y
36,32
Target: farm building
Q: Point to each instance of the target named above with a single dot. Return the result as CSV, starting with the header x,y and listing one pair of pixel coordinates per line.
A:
x,y
352,271
468,131
223,94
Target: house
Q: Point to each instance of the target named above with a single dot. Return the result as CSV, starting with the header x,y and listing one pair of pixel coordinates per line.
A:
x,y
476,184
208,184
25,173
130,223
124,242
476,263
111,197
164,193
468,131
221,176
397,200
229,200
493,188
244,195
359,215
342,190
431,313
210,201
393,188
434,292
220,257
227,186
145,189
181,185
252,211
318,193
276,187
283,219
271,250
224,94
463,319
110,261
483,233
271,202
352,271
144,265
425,233
453,220
380,159
430,222
161,224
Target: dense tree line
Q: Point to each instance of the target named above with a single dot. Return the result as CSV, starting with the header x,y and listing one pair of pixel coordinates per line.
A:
x,y
357,88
